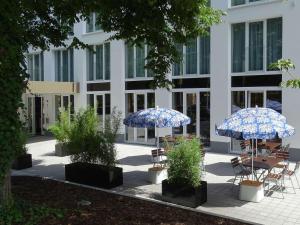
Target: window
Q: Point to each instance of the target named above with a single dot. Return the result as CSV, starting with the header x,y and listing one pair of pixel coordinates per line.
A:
x,y
274,40
242,2
98,62
238,47
91,24
195,57
35,66
259,56
135,61
256,46
64,65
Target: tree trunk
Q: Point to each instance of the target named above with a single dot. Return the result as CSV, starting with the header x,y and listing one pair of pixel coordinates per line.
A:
x,y
5,190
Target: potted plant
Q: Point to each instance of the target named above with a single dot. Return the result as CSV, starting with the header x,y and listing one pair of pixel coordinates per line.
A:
x,y
93,151
184,185
61,131
23,159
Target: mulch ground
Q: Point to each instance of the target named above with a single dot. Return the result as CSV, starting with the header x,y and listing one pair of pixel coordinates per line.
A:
x,y
106,209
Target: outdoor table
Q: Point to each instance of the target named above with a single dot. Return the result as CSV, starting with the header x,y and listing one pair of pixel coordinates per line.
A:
x,y
262,162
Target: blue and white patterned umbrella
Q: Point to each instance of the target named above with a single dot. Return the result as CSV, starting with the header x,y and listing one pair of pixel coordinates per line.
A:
x,y
255,123
157,117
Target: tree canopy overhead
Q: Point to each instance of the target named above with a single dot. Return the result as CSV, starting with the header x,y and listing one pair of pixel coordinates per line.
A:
x,y
42,23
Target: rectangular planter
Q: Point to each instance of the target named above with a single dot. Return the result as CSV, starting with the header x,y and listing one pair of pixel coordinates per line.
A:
x,y
157,175
251,191
61,150
184,195
94,175
22,162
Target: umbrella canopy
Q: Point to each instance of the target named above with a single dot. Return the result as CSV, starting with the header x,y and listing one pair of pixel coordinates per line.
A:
x,y
255,123
157,117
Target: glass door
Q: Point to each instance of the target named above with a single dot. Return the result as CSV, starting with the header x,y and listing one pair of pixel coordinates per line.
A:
x,y
102,108
255,99
195,105
140,105
133,103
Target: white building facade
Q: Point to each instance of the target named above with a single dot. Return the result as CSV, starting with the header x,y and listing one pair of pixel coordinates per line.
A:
x,y
219,74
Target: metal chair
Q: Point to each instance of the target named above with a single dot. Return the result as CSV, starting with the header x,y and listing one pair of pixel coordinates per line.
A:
x,y
276,178
290,173
284,155
239,171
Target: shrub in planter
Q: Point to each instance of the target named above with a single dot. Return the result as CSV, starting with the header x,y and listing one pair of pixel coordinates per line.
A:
x,y
61,131
184,185
93,152
23,160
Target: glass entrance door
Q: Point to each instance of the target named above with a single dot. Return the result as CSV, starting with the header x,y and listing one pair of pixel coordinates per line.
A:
x,y
135,102
102,108
195,105
256,99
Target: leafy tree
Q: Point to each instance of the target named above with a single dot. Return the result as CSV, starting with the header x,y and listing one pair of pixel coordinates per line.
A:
x,y
40,24
286,65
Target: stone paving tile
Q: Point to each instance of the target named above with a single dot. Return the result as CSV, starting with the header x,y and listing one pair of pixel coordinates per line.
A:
x,y
222,198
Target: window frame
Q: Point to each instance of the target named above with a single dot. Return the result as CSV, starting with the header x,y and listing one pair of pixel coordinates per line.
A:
x,y
41,66
94,25
198,61
104,67
247,46
70,61
134,64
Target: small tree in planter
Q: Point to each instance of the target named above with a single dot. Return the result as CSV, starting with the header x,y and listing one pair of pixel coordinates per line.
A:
x,y
93,151
184,185
23,159
61,131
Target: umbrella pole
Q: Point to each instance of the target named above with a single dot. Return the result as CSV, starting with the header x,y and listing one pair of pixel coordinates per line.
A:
x,y
252,159
157,143
256,146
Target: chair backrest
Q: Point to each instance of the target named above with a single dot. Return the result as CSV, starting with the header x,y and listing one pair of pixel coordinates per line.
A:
x,y
244,157
283,155
235,162
244,144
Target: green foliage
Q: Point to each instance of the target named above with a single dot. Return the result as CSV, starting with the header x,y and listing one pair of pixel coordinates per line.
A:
x,y
90,144
184,163
285,65
20,212
41,24
61,129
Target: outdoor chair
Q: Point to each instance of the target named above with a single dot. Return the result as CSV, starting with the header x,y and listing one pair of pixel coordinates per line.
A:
x,y
290,173
239,170
277,179
159,157
245,145
284,155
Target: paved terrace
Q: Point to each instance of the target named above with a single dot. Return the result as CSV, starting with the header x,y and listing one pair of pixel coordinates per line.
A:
x,y
135,161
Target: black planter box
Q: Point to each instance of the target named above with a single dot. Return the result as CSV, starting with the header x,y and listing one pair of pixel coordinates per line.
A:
x,y
22,162
94,175
184,195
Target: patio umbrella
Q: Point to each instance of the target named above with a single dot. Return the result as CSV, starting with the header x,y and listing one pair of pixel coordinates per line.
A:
x,y
255,123
158,118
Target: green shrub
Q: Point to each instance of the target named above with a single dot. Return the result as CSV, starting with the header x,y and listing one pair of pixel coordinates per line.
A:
x,y
21,212
21,148
89,143
61,129
184,163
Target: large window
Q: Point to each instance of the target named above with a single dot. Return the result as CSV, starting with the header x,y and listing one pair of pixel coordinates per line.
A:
x,y
238,47
135,61
242,2
64,65
259,56
91,24
98,62
195,57
35,66
274,40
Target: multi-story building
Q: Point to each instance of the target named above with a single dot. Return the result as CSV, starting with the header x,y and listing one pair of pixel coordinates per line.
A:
x,y
219,74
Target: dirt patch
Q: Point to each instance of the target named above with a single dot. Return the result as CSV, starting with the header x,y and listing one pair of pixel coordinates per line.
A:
x,y
105,208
